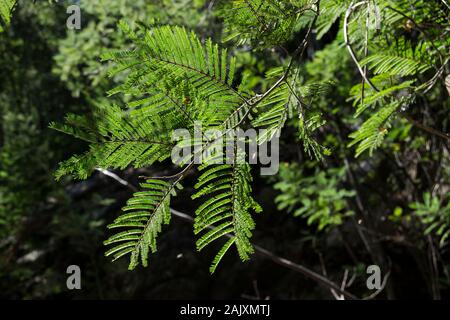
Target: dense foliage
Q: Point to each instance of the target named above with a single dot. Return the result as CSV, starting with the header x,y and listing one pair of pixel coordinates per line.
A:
x,y
356,92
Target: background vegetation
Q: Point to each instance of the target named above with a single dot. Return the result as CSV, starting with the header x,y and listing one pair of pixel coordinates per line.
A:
x,y
380,195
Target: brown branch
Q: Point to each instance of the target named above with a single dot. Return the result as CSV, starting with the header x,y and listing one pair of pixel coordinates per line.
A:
x,y
423,127
259,250
321,280
349,46
446,4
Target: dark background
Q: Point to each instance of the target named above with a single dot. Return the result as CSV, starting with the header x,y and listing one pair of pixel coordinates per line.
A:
x,y
45,226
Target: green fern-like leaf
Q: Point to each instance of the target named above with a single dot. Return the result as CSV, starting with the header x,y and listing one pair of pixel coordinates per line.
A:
x,y
394,65
374,98
372,132
144,215
6,9
278,105
170,56
261,22
330,12
227,211
117,140
307,125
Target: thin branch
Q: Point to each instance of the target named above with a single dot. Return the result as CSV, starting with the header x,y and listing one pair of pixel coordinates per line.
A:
x,y
117,178
366,52
258,98
184,170
446,4
361,209
349,46
285,263
352,279
418,27
343,286
430,83
301,49
423,127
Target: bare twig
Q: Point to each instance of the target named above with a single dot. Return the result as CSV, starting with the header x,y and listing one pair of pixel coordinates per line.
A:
x,y
349,46
343,286
285,263
445,3
434,274
352,279
324,272
430,130
430,83
180,173
117,178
